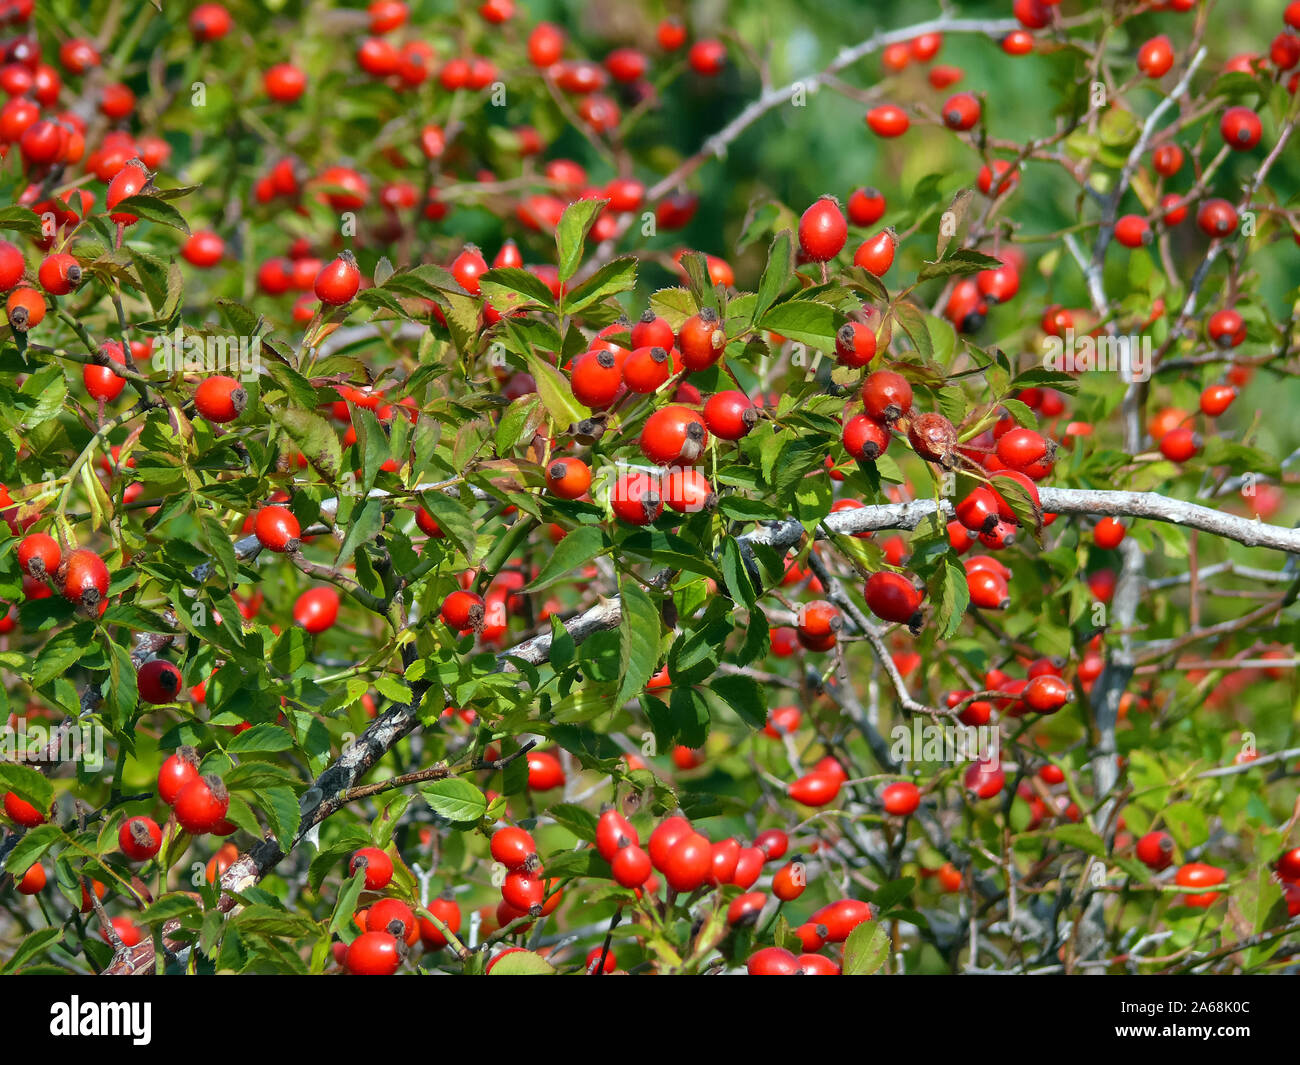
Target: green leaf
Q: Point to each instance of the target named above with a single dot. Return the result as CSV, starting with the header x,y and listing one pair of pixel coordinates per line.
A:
x,y
282,811
254,775
313,437
555,390
866,283
638,628
744,695
243,320
577,549
122,695
301,392
571,233
456,799
45,391
952,404
1040,376
577,819
866,949
1020,411
155,210
271,921
290,651
673,305
1187,824
798,457
60,652
372,442
168,908
953,597
21,220
957,210
261,739
616,276
562,646
393,689
665,549
776,274
31,946
509,287
893,892
365,525
133,617
959,263
453,519
805,322
1236,83
1080,837
426,281
346,905
912,320
1017,497
217,542
737,576
690,714
515,424
35,842
698,280
522,963
584,862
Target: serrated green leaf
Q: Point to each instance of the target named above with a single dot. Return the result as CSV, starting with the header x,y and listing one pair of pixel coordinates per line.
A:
x,y
638,628
805,322
744,695
313,437
455,798
364,526
35,842
280,805
155,209
556,392
960,263
261,739
30,947
571,233
453,519
167,908
618,275
577,549
521,963
866,949
776,274
1081,837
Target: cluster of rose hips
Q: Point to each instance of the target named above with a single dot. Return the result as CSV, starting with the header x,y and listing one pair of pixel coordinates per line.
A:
x,y
406,66
388,926
81,577
689,863
199,802
607,376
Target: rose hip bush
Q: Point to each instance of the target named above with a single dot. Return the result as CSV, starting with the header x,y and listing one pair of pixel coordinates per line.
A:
x,y
477,541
